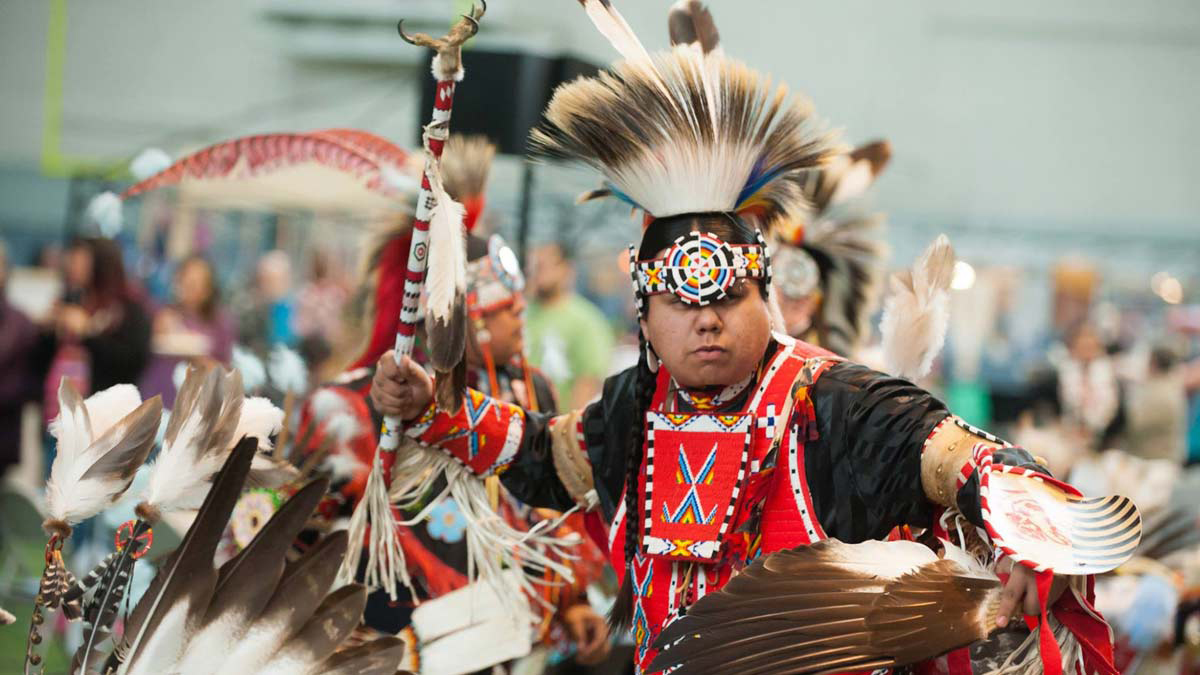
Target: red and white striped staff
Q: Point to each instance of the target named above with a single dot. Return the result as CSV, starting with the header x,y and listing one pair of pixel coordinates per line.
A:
x,y
385,561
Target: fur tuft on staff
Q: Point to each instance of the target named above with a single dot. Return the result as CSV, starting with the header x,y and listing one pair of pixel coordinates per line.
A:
x,y
684,132
917,312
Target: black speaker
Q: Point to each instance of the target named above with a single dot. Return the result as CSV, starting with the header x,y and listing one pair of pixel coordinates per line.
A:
x,y
503,94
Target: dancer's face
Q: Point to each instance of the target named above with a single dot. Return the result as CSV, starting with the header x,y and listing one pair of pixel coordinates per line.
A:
x,y
716,344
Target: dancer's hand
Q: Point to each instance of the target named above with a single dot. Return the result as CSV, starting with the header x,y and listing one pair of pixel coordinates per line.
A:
x,y
401,390
1021,592
589,632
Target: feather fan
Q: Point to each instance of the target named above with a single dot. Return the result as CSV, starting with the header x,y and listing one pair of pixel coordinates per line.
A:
x,y
101,443
686,132
917,312
256,613
834,607
690,23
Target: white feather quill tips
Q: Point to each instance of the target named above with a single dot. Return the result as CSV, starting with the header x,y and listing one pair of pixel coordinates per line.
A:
x,y
101,443
916,313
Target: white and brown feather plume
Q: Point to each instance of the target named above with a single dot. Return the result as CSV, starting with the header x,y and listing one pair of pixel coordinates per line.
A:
x,y
833,607
101,443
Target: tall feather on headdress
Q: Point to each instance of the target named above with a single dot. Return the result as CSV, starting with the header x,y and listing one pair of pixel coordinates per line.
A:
x,y
101,443
685,132
917,312
834,607
256,613
690,23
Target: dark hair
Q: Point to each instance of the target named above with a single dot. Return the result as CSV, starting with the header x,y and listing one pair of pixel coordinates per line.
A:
x,y
659,235
208,308
108,285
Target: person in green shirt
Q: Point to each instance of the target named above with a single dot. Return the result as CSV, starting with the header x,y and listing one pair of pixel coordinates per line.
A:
x,y
568,337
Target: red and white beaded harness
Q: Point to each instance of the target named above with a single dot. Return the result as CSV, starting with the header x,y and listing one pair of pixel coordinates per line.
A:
x,y
774,491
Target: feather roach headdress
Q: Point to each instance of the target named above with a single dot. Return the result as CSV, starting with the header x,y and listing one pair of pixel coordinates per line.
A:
x,y
686,132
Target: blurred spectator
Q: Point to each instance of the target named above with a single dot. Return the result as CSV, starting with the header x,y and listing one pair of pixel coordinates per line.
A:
x,y
1087,384
265,317
100,317
193,327
18,386
1156,410
569,339
320,300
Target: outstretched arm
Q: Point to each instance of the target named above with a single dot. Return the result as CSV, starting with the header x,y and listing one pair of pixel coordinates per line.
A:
x,y
539,458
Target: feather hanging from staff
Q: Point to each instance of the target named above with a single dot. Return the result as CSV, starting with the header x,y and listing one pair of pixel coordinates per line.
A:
x,y
690,23
917,312
256,613
446,308
101,443
834,607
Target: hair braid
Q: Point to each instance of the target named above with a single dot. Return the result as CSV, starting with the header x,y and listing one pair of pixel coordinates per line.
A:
x,y
622,612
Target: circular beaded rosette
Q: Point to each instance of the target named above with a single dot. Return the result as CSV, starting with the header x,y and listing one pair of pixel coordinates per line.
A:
x,y
251,513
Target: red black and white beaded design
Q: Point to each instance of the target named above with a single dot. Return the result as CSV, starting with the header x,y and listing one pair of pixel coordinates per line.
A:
x,y
699,269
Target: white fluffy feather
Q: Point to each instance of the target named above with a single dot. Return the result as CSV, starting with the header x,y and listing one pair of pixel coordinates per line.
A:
x,y
287,370
105,210
254,373
79,423
325,403
916,313
447,253
260,419
342,427
149,162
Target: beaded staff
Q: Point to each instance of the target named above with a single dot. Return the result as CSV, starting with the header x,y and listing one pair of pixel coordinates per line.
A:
x,y
385,560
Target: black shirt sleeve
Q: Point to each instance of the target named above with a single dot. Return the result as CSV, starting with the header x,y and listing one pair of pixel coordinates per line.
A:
x,y
864,469
532,478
